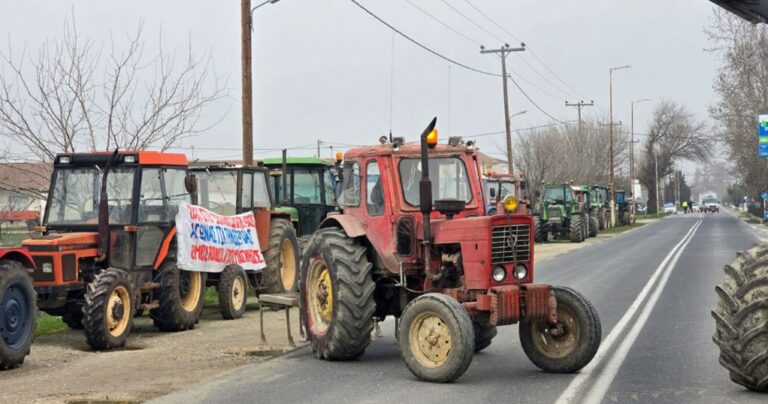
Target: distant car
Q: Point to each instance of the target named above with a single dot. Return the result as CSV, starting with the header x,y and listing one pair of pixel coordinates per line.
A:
x,y
669,207
694,206
711,205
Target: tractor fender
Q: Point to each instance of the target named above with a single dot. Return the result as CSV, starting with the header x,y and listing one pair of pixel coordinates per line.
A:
x,y
352,226
20,255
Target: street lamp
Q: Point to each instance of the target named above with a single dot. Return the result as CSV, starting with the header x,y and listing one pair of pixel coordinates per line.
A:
x,y
510,166
632,153
610,123
246,26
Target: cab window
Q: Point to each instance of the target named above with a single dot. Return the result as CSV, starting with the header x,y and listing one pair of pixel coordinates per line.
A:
x,y
350,186
374,191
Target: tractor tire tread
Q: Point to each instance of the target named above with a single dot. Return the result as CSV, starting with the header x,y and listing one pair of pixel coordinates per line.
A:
x,y
741,319
279,230
97,296
13,271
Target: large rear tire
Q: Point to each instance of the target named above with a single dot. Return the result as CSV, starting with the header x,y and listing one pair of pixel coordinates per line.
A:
x,y
233,292
337,295
108,309
575,229
594,225
282,257
601,219
436,338
18,314
625,218
576,340
741,319
539,232
180,296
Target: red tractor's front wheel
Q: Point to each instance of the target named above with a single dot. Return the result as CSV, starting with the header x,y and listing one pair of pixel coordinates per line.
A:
x,y
437,339
569,345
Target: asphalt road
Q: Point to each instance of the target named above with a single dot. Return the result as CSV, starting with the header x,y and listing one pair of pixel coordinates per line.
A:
x,y
653,289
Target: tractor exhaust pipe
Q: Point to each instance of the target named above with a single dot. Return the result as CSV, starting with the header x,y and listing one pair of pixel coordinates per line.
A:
x,y
425,198
103,228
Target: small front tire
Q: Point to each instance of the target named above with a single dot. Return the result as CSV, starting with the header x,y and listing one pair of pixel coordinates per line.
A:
x,y
233,292
108,309
572,344
436,337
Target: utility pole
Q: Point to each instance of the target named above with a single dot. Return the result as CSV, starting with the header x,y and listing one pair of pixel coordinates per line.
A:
x,y
579,105
246,28
656,158
318,147
610,96
504,50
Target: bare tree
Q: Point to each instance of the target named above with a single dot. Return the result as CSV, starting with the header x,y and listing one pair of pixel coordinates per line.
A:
x,y
675,135
72,96
742,87
563,154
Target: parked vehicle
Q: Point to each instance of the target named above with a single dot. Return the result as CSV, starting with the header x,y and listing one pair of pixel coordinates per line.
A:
x,y
413,241
498,186
18,309
641,208
670,208
228,189
603,200
108,245
307,185
562,215
623,202
587,198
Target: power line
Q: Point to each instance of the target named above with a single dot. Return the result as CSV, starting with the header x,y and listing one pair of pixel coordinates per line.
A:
x,y
428,14
419,44
531,51
472,21
449,60
549,125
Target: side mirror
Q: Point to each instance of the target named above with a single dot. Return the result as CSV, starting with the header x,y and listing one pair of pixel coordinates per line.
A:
x,y
190,183
523,185
492,192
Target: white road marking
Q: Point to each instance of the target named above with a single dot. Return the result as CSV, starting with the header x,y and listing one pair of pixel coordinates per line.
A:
x,y
606,376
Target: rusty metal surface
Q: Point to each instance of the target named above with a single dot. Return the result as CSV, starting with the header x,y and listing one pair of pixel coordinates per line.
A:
x,y
536,301
505,305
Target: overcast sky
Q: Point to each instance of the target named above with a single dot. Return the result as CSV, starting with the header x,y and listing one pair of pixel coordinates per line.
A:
x,y
323,68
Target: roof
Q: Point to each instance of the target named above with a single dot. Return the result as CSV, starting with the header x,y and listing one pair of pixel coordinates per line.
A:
x,y
407,150
278,161
144,157
25,176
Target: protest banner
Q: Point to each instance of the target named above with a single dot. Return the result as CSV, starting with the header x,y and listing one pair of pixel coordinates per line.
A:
x,y
208,242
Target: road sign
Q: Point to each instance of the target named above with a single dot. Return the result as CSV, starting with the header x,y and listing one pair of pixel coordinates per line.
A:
x,y
764,195
762,136
762,150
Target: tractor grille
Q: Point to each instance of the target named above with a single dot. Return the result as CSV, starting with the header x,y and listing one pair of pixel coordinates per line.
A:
x,y
510,243
554,213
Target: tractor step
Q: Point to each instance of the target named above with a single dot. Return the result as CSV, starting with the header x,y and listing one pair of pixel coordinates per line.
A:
x,y
149,285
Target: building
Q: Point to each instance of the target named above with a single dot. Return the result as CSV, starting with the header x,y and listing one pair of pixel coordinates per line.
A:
x,y
23,190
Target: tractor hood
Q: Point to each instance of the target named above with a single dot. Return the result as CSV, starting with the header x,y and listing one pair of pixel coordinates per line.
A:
x,y
63,241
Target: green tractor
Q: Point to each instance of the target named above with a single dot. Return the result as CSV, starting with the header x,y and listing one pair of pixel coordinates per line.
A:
x,y
561,214
603,206
623,203
303,187
587,198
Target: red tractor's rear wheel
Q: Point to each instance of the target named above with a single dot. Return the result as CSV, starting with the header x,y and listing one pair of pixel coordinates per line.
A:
x,y
570,345
337,295
18,314
436,337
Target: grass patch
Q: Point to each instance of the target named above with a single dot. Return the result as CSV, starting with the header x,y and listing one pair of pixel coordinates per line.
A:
x,y
621,229
13,238
48,324
211,296
653,216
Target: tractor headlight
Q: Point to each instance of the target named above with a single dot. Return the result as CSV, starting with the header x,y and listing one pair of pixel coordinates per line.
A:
x,y
520,272
499,273
47,268
510,203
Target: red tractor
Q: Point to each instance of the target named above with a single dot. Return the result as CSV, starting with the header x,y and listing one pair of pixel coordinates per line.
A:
x,y
447,271
18,311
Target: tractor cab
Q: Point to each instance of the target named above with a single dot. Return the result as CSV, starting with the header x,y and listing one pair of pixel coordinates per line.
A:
x,y
107,247
305,184
499,186
563,213
623,205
